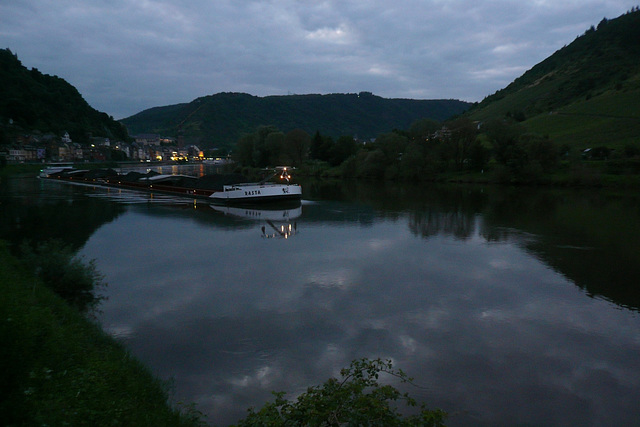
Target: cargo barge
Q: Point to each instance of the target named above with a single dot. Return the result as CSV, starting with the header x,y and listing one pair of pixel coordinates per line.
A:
x,y
220,188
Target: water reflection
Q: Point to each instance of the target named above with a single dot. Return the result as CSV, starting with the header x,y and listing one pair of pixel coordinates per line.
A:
x,y
494,335
192,169
276,221
589,236
507,306
39,210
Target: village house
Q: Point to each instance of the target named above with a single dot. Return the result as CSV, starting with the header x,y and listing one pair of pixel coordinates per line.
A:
x,y
442,134
97,141
49,147
20,154
147,139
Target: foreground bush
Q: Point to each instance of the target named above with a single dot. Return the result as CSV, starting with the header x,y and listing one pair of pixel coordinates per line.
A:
x,y
73,278
357,399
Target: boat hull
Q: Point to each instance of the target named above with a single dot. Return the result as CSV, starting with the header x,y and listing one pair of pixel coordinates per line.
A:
x,y
257,193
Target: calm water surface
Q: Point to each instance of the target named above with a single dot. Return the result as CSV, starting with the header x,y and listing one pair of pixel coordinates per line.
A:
x,y
507,306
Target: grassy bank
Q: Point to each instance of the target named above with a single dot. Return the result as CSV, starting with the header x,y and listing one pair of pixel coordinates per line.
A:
x,y
58,368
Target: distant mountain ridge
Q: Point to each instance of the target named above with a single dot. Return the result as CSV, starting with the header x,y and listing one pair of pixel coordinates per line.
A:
x,y
220,119
32,101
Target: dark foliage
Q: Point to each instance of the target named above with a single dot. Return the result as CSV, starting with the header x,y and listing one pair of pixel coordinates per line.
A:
x,y
68,275
356,399
221,119
36,101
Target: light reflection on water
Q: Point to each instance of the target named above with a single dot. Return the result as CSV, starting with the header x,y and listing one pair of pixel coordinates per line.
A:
x,y
194,169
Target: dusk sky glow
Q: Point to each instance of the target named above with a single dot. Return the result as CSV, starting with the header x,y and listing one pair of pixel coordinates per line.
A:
x,y
125,56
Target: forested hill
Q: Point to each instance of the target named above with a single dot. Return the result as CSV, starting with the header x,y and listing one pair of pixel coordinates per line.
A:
x,y
35,101
219,120
596,75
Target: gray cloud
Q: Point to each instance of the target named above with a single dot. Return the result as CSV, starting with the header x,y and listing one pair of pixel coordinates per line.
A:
x,y
125,55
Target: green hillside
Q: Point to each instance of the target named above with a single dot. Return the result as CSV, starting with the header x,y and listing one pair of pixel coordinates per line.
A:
x,y
219,120
611,119
35,101
586,94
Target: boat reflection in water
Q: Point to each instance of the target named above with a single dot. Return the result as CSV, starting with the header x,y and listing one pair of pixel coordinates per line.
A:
x,y
278,221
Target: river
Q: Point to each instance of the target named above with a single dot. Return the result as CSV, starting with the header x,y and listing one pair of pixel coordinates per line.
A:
x,y
508,306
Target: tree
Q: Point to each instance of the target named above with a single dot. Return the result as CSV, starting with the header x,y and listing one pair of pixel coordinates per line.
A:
x,y
413,162
321,147
265,146
478,156
296,147
392,144
344,148
602,23
274,145
541,150
371,164
244,150
503,135
421,130
463,135
261,148
523,156
356,399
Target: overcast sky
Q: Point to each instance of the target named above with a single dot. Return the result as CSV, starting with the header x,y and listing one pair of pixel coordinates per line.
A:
x,y
125,56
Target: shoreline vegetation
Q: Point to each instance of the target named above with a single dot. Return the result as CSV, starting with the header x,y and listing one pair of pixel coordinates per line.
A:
x,y
496,151
568,176
61,368
609,173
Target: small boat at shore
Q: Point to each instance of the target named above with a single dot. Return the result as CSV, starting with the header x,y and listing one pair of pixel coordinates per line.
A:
x,y
55,169
218,188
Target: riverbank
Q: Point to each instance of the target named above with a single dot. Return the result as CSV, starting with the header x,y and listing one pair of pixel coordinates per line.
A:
x,y
613,174
59,368
609,174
